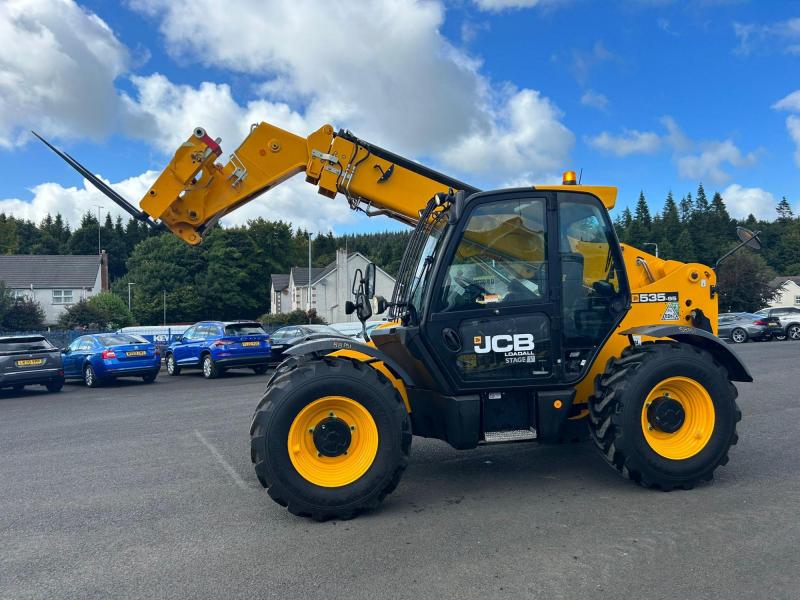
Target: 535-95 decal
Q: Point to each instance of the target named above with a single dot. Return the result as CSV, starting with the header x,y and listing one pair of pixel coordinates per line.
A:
x,y
655,297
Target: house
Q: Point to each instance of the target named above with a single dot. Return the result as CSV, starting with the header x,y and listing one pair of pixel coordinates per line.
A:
x,y
788,287
54,281
331,287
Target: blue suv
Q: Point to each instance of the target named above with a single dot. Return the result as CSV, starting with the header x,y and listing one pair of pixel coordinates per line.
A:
x,y
215,346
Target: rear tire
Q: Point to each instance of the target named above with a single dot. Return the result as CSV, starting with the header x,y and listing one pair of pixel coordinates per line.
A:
x,y
738,336
793,332
620,425
54,386
90,377
259,370
293,394
172,367
150,377
210,368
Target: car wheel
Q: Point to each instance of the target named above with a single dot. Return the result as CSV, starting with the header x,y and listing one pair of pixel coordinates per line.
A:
x,y
90,377
739,335
260,370
150,377
172,367
210,368
793,332
55,386
781,337
18,388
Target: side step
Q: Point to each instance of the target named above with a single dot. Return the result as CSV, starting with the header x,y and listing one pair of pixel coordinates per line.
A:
x,y
512,435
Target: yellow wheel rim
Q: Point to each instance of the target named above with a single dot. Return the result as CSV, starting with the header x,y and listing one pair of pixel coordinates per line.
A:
x,y
698,421
347,467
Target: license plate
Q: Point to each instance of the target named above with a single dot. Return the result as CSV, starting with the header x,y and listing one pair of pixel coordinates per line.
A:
x,y
136,353
251,343
30,362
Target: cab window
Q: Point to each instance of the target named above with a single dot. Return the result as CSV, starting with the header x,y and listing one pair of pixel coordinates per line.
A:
x,y
501,257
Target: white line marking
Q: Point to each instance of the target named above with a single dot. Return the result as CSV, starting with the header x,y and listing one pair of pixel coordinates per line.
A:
x,y
221,460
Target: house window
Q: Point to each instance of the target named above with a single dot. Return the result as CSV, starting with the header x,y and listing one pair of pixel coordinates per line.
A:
x,y
797,300
19,294
62,296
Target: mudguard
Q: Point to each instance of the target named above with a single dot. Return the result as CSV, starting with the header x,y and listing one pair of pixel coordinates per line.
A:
x,y
335,344
737,371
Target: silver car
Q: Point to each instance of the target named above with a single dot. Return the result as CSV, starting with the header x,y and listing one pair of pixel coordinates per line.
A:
x,y
741,327
789,319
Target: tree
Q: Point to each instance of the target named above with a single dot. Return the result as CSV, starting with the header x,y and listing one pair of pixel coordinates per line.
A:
x,y
24,314
784,210
82,314
683,250
744,283
114,310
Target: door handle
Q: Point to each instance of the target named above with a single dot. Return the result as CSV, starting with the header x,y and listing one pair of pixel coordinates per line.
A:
x,y
451,339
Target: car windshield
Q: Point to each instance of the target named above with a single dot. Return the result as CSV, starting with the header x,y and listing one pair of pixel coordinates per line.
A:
x,y
24,344
119,339
321,329
244,329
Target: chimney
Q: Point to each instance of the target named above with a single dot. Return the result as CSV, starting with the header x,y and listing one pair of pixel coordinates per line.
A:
x,y
104,271
342,282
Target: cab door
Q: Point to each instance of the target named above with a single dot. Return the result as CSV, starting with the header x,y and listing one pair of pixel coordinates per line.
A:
x,y
493,314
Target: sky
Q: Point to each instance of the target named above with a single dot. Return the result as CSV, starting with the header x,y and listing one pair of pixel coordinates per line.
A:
x,y
652,95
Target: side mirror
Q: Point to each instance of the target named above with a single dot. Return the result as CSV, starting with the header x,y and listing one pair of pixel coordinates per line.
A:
x,y
179,339
65,350
748,238
369,281
357,277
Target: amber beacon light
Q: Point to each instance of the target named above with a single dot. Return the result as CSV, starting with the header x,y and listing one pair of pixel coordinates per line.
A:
x,y
569,178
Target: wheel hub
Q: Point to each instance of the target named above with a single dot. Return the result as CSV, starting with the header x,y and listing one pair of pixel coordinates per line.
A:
x,y
332,437
666,414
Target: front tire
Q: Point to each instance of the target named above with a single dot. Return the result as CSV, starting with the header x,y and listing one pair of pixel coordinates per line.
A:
x,y
793,332
210,368
335,473
738,336
172,367
664,414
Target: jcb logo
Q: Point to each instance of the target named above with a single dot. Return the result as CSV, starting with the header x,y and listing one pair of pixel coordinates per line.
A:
x,y
519,342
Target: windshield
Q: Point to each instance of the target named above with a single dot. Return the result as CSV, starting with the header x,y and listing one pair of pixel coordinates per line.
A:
x,y
244,329
415,269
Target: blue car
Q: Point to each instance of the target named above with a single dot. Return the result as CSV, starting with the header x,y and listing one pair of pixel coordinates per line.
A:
x,y
215,346
101,357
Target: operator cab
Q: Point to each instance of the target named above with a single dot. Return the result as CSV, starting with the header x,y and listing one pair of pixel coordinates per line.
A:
x,y
503,293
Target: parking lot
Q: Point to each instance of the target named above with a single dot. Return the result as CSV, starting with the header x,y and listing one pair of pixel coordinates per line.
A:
x,y
147,491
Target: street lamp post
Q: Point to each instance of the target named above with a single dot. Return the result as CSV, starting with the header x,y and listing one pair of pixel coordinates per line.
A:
x,y
308,297
129,294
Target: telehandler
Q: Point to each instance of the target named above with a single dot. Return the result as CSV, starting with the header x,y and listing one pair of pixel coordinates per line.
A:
x,y
516,316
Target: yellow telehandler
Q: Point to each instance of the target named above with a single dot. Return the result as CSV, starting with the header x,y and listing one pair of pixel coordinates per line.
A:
x,y
517,315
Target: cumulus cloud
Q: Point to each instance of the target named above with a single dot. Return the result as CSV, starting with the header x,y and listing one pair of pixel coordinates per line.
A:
x,y
710,161
398,82
499,5
698,160
630,141
595,100
791,103
294,201
782,35
73,202
743,201
57,71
